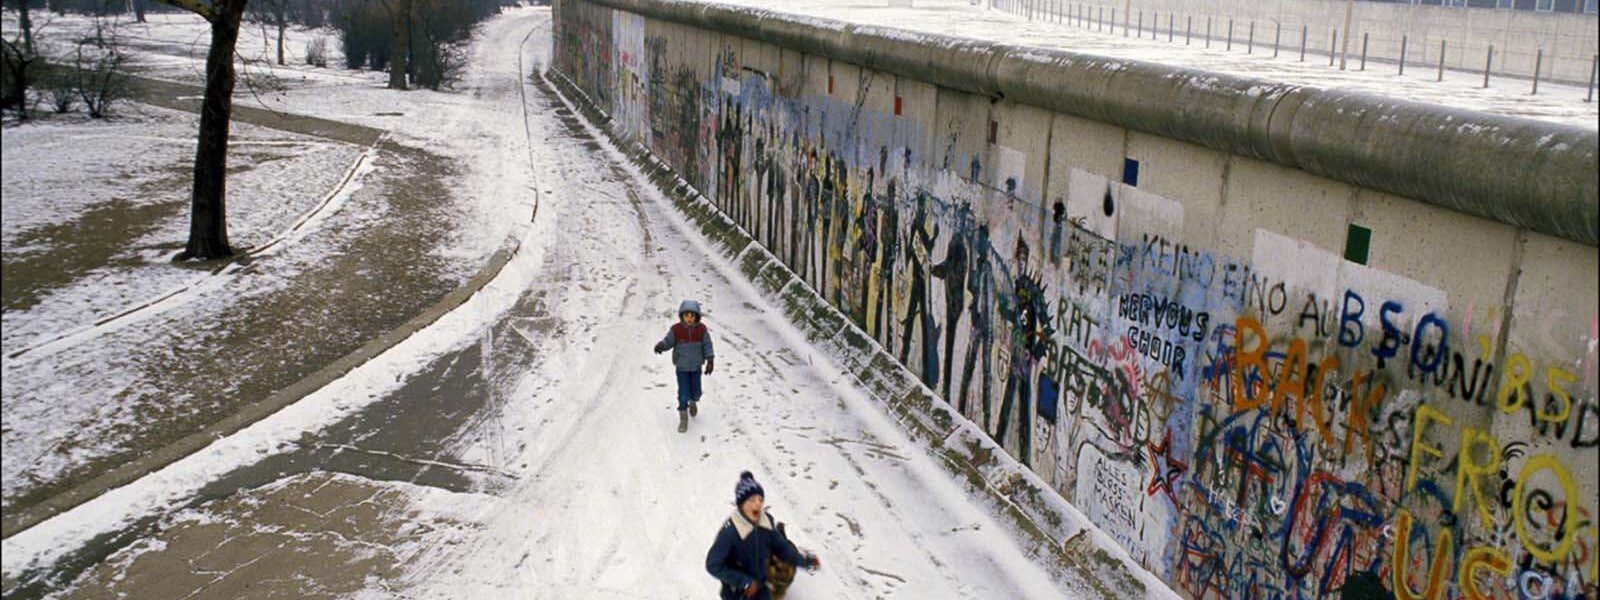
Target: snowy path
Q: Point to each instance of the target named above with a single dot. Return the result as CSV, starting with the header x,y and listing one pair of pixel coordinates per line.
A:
x,y
540,404
609,498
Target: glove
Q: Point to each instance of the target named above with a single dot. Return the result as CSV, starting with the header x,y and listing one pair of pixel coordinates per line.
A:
x,y
710,364
750,590
812,562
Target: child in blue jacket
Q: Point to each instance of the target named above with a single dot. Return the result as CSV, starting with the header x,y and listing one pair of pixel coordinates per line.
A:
x,y
748,540
691,347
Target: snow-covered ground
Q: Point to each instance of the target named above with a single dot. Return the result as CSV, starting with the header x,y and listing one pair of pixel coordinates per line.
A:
x,y
136,168
96,208
93,213
605,498
963,18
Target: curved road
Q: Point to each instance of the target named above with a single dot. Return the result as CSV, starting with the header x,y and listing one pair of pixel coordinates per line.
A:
x,y
556,423
611,499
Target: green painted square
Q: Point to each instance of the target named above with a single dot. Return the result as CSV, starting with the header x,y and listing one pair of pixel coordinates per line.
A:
x,y
1356,243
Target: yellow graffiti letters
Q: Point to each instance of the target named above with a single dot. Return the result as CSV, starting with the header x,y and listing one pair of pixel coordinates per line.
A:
x,y
1402,561
1361,406
1313,400
1568,533
1556,378
1419,426
1518,373
1471,469
1248,365
1291,377
1482,558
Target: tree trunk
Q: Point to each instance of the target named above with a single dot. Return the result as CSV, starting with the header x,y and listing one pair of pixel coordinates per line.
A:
x,y
400,15
208,224
138,10
27,26
282,23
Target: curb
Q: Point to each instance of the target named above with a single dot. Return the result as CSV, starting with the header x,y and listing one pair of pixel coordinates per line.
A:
x,y
17,521
1047,524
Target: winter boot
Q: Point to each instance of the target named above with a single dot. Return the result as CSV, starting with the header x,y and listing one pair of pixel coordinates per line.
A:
x,y
683,421
694,408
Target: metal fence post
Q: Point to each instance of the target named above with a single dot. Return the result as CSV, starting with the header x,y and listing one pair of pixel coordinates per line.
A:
x,y
1441,59
1333,45
1229,47
1403,40
1538,64
1250,46
1277,38
1488,63
1594,69
1188,31
1364,51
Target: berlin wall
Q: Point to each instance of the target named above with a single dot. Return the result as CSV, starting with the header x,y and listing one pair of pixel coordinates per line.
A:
x,y
1278,342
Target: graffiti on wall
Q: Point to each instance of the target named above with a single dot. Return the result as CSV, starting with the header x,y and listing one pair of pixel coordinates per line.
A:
x,y
1287,424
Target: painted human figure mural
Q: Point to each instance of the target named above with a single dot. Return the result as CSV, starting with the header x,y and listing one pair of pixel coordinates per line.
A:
x,y
980,344
1028,314
840,251
867,247
889,252
1273,421
919,315
953,271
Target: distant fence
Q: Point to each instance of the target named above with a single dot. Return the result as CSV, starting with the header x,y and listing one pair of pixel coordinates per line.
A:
x,y
1506,43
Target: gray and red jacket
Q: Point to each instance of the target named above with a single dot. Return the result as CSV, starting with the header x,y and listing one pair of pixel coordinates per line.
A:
x,y
690,344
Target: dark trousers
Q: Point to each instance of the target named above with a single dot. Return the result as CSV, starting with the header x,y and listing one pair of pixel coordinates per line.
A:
x,y
688,388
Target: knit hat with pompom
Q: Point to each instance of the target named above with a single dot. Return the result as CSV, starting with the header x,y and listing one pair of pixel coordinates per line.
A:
x,y
747,487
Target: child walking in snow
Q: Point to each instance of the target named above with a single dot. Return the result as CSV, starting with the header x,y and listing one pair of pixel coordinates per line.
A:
x,y
747,545
691,347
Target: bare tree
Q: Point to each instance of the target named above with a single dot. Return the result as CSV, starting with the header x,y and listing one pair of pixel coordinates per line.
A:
x,y
25,23
400,44
277,13
17,59
208,224
138,9
100,79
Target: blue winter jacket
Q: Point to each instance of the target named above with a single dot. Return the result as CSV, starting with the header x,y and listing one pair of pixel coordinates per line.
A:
x,y
741,552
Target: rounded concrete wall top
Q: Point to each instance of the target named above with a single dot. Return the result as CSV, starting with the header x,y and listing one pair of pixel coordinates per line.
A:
x,y
1526,173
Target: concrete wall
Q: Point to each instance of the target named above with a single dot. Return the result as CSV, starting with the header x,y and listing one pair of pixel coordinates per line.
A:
x,y
1569,40
1157,298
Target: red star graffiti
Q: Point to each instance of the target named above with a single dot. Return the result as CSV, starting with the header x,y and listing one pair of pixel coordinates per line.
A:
x,y
1167,469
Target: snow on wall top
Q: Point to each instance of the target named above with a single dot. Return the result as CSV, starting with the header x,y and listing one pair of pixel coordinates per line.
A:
x,y
1528,173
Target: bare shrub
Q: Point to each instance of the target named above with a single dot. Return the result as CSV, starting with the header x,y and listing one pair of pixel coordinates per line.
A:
x,y
101,83
61,89
317,51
